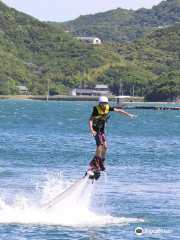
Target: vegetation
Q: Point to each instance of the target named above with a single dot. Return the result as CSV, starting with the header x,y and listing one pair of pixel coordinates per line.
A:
x,y
167,87
159,56
123,25
34,53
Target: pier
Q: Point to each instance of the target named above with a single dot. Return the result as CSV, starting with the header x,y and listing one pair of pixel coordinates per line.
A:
x,y
150,107
126,104
111,100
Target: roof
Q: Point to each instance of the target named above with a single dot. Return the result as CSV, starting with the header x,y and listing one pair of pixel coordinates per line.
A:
x,y
101,86
123,97
104,92
92,91
84,90
22,88
87,38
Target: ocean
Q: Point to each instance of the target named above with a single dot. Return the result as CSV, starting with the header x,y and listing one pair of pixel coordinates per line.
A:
x,y
46,147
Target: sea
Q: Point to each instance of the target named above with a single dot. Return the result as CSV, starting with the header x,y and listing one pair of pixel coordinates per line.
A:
x,y
46,146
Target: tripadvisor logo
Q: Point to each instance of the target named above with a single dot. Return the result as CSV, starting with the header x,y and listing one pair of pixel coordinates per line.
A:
x,y
139,231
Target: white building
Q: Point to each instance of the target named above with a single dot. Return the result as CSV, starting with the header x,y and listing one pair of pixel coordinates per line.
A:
x,y
103,90
22,88
99,90
93,40
72,92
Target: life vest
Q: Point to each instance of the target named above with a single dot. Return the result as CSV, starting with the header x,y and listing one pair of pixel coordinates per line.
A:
x,y
100,120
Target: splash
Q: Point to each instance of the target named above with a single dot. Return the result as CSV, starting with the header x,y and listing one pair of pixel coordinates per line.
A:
x,y
74,210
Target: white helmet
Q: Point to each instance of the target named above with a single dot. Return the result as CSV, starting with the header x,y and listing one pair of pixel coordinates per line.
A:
x,y
103,99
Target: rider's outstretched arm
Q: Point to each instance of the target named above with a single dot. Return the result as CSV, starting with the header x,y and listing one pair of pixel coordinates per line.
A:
x,y
125,113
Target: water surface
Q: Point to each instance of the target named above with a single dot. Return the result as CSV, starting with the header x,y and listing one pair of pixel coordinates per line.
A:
x,y
46,147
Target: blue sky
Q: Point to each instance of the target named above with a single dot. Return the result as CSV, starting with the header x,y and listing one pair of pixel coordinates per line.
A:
x,y
65,10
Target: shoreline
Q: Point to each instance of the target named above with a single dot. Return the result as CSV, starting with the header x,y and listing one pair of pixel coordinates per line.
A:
x,y
79,99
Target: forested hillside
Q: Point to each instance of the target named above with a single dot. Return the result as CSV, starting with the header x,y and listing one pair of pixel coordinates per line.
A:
x,y
33,53
158,53
123,25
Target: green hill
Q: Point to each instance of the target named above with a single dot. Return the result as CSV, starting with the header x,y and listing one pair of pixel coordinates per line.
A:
x,y
33,52
123,25
158,53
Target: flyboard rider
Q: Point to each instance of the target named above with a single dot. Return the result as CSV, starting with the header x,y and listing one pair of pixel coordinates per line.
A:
x,y
97,124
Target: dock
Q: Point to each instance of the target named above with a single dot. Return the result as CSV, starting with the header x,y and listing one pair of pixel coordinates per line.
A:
x,y
150,107
129,104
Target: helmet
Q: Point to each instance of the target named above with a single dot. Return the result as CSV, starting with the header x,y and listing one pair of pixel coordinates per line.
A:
x,y
103,99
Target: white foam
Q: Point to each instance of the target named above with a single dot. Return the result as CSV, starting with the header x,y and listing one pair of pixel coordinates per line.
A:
x,y
74,210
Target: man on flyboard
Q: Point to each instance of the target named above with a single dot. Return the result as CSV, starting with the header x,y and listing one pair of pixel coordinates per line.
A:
x,y
97,124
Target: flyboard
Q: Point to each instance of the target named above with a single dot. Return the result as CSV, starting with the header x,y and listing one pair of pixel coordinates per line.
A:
x,y
91,173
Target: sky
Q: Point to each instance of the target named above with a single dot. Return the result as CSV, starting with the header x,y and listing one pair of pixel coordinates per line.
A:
x,y
65,10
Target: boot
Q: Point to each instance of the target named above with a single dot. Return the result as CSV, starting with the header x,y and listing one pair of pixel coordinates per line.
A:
x,y
95,163
101,164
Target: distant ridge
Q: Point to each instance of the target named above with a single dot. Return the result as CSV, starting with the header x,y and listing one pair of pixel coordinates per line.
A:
x,y
123,25
47,59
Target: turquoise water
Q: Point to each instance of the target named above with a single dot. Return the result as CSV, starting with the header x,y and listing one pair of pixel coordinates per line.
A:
x,y
46,146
